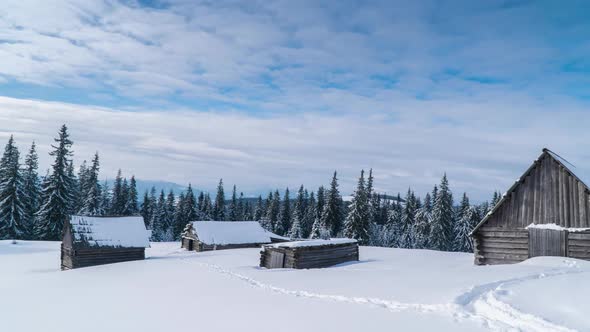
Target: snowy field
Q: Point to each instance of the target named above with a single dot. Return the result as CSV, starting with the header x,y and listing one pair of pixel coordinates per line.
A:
x,y
388,290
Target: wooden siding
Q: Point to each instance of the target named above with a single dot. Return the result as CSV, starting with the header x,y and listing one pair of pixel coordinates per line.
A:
x,y
547,242
76,258
310,257
501,245
547,193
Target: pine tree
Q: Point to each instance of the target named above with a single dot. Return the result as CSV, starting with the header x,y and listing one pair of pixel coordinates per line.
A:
x,y
441,231
118,202
309,216
207,208
406,239
132,208
188,207
274,207
465,225
92,192
423,219
106,201
57,192
357,222
259,209
242,208
32,190
233,206
12,196
394,226
332,216
82,187
285,216
219,207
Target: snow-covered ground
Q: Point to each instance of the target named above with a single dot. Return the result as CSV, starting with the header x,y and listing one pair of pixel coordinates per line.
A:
x,y
389,289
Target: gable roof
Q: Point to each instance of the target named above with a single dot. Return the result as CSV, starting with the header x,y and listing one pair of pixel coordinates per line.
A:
x,y
232,232
115,232
545,153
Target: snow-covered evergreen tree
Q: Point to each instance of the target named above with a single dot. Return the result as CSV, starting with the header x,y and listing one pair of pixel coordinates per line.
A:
x,y
463,228
394,226
106,201
332,215
145,210
357,222
57,191
118,200
189,211
274,208
441,229
242,210
12,196
259,209
309,216
406,235
285,216
219,207
131,205
422,228
32,190
92,191
233,206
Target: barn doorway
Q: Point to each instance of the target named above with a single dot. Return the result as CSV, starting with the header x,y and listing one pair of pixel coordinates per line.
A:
x,y
191,245
547,242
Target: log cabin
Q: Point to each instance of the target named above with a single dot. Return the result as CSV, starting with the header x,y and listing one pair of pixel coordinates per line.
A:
x,y
309,254
545,213
219,235
89,241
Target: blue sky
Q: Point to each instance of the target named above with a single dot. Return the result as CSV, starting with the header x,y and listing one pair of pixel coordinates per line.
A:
x,y
278,93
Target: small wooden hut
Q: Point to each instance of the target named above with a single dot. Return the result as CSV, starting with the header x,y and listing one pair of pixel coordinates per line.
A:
x,y
309,254
90,241
545,213
219,235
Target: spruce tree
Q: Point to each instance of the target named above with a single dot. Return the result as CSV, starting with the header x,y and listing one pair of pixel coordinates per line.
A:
x,y
233,206
219,207
357,221
242,208
207,213
118,202
106,199
57,192
12,196
441,231
145,209
273,211
406,239
92,192
132,208
332,216
259,209
285,216
309,216
32,190
422,229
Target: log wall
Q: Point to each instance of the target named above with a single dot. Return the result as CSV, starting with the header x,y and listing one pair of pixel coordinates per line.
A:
x,y
313,256
76,258
494,245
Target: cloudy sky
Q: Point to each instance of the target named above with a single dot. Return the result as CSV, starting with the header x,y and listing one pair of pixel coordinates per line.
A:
x,y
279,93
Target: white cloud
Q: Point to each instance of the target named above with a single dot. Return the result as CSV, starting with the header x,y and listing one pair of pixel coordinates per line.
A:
x,y
287,150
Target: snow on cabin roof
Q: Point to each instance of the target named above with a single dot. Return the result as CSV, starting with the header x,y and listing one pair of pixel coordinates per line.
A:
x,y
232,232
126,232
312,243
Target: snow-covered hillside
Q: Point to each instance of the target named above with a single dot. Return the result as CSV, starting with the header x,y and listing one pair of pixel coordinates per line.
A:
x,y
389,289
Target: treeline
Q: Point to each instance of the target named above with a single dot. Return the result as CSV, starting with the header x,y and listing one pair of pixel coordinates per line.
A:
x,y
34,207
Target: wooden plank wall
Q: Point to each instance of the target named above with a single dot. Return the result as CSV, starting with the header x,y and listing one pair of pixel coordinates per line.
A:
x,y
549,193
76,258
493,245
547,242
578,245
312,257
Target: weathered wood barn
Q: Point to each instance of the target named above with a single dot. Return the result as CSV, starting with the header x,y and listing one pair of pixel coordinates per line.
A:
x,y
309,254
545,213
219,235
89,241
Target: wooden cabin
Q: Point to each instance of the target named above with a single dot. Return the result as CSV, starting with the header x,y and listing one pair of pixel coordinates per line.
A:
x,y
545,213
89,241
309,254
219,235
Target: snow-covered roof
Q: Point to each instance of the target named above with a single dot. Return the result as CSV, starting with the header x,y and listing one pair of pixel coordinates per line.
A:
x,y
126,232
556,227
312,243
232,232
